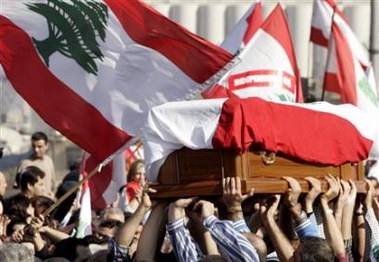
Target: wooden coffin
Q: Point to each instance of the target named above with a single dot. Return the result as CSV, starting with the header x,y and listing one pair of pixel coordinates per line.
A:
x,y
189,172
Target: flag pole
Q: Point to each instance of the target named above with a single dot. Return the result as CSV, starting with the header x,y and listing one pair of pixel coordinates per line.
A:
x,y
329,52
138,145
73,189
96,170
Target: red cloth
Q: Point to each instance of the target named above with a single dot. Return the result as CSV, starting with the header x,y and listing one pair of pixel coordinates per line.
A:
x,y
131,190
302,133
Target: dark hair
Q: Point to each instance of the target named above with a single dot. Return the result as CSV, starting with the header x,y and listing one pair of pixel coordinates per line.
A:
x,y
66,204
315,249
40,136
16,206
41,201
133,169
30,176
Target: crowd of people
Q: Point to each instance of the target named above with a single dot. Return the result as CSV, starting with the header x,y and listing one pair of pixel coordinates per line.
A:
x,y
338,224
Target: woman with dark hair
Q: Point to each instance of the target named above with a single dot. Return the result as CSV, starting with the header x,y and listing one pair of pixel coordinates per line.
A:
x,y
40,204
19,208
20,212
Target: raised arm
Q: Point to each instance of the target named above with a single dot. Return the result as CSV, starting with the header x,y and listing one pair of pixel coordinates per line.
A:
x,y
229,241
233,198
302,224
332,232
281,244
118,247
341,202
347,216
184,246
152,234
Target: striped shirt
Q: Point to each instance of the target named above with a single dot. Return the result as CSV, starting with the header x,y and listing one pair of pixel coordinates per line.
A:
x,y
230,242
374,230
185,248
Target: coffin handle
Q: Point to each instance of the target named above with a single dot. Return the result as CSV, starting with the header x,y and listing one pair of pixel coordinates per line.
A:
x,y
267,158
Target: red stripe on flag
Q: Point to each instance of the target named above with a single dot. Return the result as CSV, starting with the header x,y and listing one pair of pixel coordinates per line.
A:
x,y
276,25
196,57
331,83
57,104
338,11
346,70
254,21
262,78
317,37
286,128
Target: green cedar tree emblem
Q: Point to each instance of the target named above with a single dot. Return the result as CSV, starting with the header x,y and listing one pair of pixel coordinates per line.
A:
x,y
73,27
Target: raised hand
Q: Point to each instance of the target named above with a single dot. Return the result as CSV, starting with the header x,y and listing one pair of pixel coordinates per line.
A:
x,y
333,190
268,208
231,191
291,198
367,204
176,209
205,208
4,221
343,195
313,193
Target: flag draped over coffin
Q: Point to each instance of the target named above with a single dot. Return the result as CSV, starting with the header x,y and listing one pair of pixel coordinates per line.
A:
x,y
317,132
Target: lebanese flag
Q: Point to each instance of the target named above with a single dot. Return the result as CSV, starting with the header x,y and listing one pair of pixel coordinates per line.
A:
x,y
348,66
93,69
245,28
317,132
272,76
105,185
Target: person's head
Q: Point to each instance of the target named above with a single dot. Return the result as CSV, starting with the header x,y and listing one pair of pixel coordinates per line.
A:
x,y
19,208
40,204
40,144
110,220
32,181
12,252
136,171
112,213
3,184
67,204
314,249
